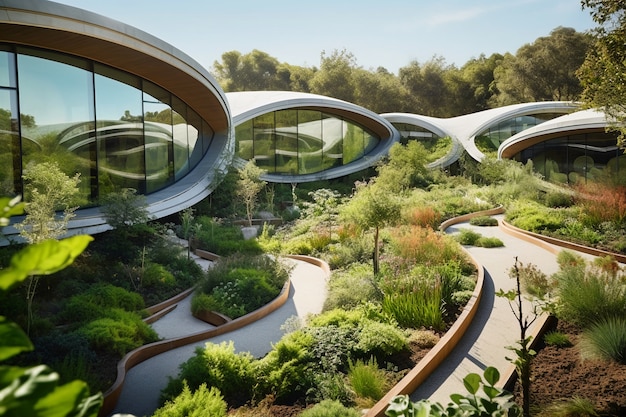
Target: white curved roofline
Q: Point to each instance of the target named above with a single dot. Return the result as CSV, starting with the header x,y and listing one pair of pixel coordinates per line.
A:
x,y
583,120
250,104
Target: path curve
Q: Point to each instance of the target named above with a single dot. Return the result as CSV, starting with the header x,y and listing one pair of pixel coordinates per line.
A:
x,y
144,382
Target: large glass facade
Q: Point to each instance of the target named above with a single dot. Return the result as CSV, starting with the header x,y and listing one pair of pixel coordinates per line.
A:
x,y
114,129
436,146
575,158
489,140
302,141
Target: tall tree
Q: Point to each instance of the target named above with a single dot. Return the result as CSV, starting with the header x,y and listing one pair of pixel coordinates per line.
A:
x,y
255,71
543,70
335,77
426,85
249,186
603,74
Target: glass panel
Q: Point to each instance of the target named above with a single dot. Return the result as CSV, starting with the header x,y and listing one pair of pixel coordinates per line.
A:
x,y
333,141
353,143
310,141
119,121
244,142
7,69
207,137
264,146
158,139
58,128
370,141
194,130
10,155
287,142
181,144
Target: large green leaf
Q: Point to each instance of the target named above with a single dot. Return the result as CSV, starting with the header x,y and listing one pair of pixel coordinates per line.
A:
x,y
492,375
13,340
71,399
472,383
43,258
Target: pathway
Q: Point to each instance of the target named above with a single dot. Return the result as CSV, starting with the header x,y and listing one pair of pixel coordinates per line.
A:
x,y
144,382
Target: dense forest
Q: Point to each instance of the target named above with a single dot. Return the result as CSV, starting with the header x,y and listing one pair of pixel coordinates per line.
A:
x,y
545,69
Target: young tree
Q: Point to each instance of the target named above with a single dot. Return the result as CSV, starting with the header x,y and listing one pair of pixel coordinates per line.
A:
x,y
325,204
372,206
249,186
47,190
125,209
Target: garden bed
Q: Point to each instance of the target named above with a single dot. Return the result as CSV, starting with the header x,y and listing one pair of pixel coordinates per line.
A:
x,y
559,373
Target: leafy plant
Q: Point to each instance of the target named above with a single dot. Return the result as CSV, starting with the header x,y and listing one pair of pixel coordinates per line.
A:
x,y
489,242
36,391
605,339
491,402
570,407
366,379
557,339
330,408
468,237
202,402
484,221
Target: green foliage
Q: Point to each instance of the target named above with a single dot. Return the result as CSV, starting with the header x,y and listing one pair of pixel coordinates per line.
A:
x,y
366,379
468,237
119,332
570,407
330,408
125,209
587,294
419,307
329,386
535,282
380,339
36,391
224,240
285,372
491,402
405,168
557,339
488,242
217,365
483,221
331,346
556,199
239,285
249,186
535,217
47,189
605,339
203,402
350,288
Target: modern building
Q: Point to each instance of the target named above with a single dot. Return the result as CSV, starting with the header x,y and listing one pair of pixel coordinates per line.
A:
x,y
127,110
103,99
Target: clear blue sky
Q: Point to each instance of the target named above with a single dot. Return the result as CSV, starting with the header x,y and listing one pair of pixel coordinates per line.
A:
x,y
389,33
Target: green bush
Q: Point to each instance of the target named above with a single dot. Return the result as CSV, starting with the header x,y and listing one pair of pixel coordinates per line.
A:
x,y
118,335
285,372
468,237
488,242
96,300
223,239
366,379
329,386
349,252
555,199
216,365
606,340
557,339
157,276
534,281
587,295
331,347
203,402
380,339
414,302
330,408
350,288
483,221
201,302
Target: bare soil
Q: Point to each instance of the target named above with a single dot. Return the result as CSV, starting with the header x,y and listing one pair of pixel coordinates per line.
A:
x,y
560,373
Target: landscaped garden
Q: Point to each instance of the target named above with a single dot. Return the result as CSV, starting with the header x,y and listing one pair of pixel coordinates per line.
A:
x,y
397,285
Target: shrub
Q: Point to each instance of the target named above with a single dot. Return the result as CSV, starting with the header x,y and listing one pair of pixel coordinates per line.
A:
x,y
423,216
555,199
216,365
605,340
557,339
202,302
157,276
366,379
223,239
349,252
98,298
202,402
425,246
117,336
534,281
415,303
468,237
484,221
329,408
331,346
571,407
489,242
375,338
329,386
285,372
349,288
423,339
587,295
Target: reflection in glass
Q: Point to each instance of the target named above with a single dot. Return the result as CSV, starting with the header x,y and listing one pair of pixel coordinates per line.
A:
x,y
119,134
299,141
9,144
61,123
180,142
159,148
